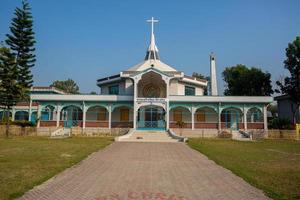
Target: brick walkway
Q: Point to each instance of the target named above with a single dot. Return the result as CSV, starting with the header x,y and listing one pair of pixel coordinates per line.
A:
x,y
161,171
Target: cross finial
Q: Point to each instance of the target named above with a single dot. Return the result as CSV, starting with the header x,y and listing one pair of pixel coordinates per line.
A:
x,y
152,21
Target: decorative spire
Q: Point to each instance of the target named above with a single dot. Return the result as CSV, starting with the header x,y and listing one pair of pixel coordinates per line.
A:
x,y
213,75
152,52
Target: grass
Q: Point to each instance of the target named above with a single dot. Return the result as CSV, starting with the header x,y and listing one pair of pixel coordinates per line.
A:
x,y
271,165
29,161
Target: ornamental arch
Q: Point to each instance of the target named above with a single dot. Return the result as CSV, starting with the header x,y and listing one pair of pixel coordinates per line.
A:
x,y
152,85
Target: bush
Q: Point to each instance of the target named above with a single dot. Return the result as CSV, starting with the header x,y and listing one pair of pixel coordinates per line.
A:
x,y
19,123
280,123
225,134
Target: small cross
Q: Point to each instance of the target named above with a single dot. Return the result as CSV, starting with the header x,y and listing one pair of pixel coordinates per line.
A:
x,y
152,21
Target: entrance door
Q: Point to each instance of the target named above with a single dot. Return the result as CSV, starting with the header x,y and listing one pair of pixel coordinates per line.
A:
x,y
151,118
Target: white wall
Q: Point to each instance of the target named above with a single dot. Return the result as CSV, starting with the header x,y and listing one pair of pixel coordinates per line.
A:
x,y
125,87
178,88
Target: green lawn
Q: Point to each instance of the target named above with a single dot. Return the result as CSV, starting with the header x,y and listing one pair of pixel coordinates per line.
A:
x,y
29,161
272,165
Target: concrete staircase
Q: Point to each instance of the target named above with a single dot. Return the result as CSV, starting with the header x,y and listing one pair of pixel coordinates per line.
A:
x,y
147,136
61,133
241,136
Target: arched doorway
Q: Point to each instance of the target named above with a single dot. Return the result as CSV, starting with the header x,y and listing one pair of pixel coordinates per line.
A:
x,y
206,118
255,119
96,116
151,118
3,115
180,117
232,118
122,117
21,116
72,116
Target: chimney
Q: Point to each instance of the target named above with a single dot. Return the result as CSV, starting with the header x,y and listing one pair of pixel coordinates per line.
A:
x,y
213,76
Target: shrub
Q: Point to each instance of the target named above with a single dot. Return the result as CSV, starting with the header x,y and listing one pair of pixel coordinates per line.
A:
x,y
280,123
19,123
225,134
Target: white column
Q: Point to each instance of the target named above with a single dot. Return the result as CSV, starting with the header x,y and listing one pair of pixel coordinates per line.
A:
x,y
13,113
135,103
193,117
109,117
58,110
167,81
83,115
245,118
265,119
219,117
30,110
39,115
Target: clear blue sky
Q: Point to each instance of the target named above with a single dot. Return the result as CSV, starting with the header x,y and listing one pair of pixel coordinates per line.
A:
x,y
85,40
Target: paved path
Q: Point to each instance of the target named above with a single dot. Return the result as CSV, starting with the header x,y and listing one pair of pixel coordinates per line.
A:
x,y
137,171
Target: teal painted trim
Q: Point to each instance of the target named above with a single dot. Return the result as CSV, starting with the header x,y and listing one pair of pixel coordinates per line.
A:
x,y
151,129
117,105
186,106
78,105
90,105
178,106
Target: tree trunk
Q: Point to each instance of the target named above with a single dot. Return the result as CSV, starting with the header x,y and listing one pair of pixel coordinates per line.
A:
x,y
7,123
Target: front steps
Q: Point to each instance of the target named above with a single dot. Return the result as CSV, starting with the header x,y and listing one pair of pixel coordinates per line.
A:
x,y
147,136
61,133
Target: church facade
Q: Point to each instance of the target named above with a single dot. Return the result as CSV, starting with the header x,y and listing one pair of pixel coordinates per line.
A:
x,y
148,96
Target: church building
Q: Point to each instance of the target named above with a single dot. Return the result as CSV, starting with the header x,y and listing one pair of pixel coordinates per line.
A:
x,y
150,95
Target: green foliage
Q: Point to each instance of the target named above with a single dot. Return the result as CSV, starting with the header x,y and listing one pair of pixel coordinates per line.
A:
x,y
291,85
199,76
68,86
243,81
10,88
21,42
15,62
19,123
279,123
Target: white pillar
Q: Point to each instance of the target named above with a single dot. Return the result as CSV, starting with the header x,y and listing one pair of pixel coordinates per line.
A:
x,y
39,115
58,110
167,81
135,103
109,117
30,110
219,117
193,117
265,119
245,118
13,113
83,115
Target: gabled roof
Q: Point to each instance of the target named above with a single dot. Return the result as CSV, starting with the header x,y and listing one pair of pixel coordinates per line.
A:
x,y
157,64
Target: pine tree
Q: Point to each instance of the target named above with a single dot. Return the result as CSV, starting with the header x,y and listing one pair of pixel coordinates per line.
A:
x,y
21,42
16,61
10,89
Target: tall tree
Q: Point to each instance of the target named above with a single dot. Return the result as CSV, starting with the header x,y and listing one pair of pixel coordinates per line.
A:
x,y
243,81
15,62
291,84
21,43
10,90
202,77
68,86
